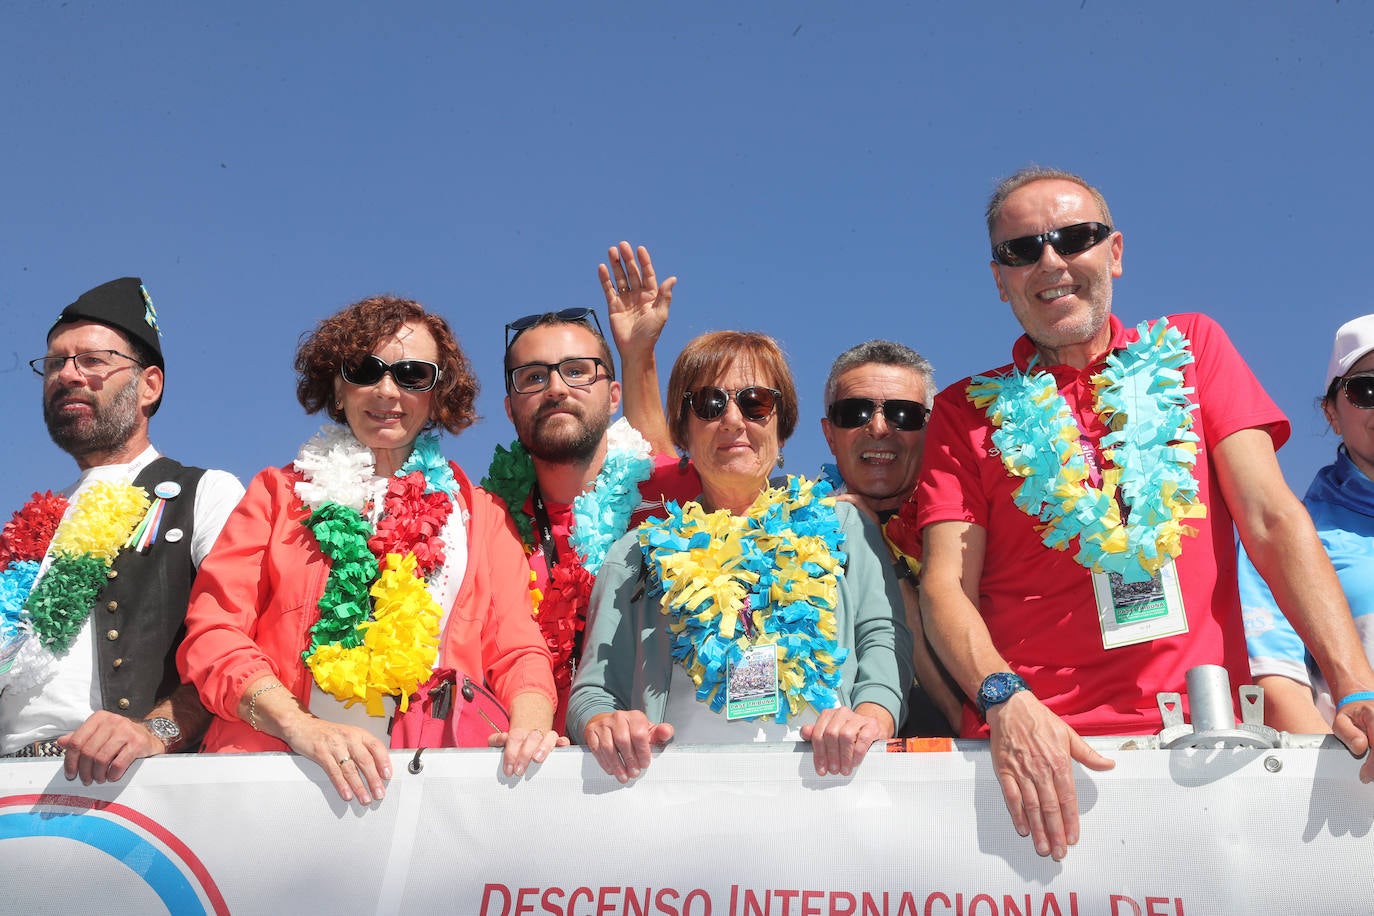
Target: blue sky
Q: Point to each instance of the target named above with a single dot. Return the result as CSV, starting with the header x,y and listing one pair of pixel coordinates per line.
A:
x,y
813,170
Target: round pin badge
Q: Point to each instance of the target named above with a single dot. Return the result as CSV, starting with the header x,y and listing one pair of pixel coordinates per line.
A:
x,y
167,489
173,535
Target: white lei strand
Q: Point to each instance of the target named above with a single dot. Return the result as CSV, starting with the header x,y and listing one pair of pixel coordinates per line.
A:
x,y
336,468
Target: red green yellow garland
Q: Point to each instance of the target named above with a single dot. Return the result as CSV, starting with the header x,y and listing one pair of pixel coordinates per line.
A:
x,y
378,632
41,617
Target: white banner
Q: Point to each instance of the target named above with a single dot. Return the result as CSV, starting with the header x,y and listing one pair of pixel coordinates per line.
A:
x,y
704,832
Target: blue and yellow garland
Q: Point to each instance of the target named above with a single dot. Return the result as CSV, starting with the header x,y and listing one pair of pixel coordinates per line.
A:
x,y
1151,447
782,561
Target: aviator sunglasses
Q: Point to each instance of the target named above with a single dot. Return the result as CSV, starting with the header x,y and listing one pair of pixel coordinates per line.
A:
x,y
1359,390
410,374
1066,240
852,413
579,315
755,402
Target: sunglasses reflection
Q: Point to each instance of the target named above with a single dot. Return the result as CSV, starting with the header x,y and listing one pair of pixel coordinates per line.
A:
x,y
410,374
1359,391
1067,240
900,414
755,402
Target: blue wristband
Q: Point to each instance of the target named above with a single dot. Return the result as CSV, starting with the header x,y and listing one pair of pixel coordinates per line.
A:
x,y
1356,697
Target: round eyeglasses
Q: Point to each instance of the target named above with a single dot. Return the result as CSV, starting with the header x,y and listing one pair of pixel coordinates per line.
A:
x,y
755,402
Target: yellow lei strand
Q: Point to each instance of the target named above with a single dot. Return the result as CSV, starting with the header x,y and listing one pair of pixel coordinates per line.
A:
x,y
399,642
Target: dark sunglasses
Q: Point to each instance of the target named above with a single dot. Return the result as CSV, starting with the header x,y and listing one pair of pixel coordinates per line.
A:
x,y
755,402
1066,240
410,374
578,315
1359,390
851,413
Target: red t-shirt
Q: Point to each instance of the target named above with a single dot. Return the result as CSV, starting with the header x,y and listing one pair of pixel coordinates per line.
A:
x,y
1038,603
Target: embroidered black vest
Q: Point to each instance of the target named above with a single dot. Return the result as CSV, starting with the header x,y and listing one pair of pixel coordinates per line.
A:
x,y
140,617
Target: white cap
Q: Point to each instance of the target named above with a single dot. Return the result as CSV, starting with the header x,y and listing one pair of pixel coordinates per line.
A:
x,y
1353,341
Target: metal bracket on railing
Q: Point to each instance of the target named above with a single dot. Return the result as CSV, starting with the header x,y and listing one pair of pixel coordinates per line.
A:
x,y
1214,720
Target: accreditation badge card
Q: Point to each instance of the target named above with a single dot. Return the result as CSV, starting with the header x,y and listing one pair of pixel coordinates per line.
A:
x,y
1136,612
751,686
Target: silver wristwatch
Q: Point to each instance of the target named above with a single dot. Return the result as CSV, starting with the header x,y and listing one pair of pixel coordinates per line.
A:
x,y
164,729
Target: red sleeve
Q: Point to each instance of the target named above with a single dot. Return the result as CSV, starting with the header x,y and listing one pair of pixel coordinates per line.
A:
x,y
1231,398
233,589
949,487
671,480
515,658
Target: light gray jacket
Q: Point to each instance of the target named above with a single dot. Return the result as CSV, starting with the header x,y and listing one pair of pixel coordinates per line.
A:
x,y
626,655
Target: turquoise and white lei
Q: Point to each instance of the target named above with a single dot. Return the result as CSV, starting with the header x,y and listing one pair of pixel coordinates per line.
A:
x,y
1141,397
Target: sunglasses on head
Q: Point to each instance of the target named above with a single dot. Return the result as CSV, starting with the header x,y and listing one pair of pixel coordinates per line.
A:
x,y
1066,240
410,374
852,413
1359,390
755,402
578,315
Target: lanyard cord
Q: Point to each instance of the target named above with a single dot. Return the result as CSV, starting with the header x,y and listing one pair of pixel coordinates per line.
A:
x,y
541,519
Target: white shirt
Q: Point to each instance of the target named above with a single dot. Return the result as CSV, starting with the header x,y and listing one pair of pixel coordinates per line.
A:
x,y
73,693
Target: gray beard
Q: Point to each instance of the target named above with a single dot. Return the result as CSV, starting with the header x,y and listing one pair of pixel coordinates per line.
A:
x,y
109,429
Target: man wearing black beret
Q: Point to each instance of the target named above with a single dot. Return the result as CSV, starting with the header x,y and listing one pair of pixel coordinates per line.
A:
x,y
96,578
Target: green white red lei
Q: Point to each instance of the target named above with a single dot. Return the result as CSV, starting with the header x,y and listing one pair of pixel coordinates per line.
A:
x,y
600,516
378,632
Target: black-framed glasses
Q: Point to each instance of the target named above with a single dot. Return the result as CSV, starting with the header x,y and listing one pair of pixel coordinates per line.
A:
x,y
1359,390
852,413
410,374
755,402
88,363
576,315
575,371
1066,240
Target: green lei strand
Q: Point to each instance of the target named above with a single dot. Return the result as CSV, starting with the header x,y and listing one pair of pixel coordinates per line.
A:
x,y
342,534
62,601
511,477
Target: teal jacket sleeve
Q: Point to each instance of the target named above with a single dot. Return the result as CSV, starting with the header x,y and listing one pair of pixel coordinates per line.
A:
x,y
625,650
880,666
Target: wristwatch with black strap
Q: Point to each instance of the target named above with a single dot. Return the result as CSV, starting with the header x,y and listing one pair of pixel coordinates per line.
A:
x,y
998,687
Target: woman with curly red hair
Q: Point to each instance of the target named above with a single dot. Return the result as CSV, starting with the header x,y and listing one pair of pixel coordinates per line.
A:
x,y
370,576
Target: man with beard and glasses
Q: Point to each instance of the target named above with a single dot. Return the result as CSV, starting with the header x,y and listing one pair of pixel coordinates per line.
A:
x,y
96,578
1079,507
574,482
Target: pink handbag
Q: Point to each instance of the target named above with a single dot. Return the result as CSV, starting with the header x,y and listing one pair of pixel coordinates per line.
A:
x,y
449,710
